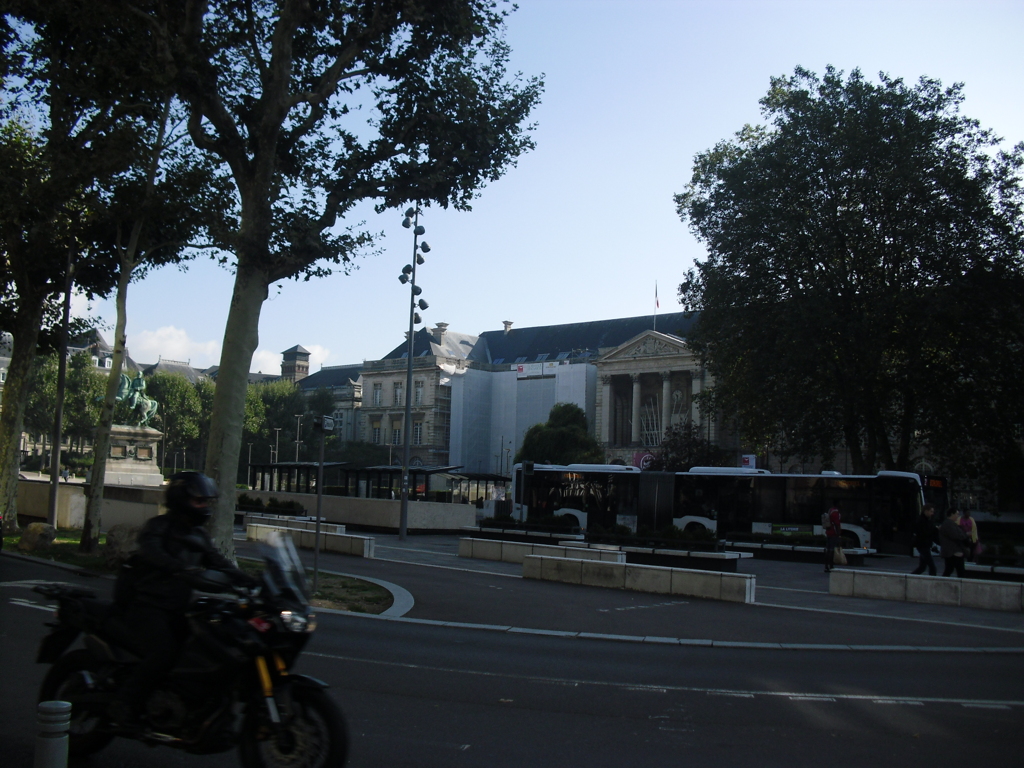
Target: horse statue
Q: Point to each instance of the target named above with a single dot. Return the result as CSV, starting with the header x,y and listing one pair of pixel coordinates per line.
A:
x,y
134,392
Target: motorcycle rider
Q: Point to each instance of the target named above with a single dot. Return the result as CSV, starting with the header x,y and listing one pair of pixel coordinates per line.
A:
x,y
153,590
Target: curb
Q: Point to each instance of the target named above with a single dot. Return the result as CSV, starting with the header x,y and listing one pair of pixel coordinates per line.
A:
x,y
54,564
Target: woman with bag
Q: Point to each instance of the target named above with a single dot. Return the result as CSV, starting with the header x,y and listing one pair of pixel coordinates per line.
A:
x,y
970,527
833,529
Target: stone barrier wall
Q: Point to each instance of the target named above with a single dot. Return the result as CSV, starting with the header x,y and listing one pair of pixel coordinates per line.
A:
x,y
342,543
379,513
937,590
713,585
516,551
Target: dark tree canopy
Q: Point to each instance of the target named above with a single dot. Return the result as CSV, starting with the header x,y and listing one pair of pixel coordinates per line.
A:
x,y
684,446
563,439
314,107
864,283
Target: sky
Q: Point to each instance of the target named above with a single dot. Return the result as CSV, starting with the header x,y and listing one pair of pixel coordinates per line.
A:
x,y
585,226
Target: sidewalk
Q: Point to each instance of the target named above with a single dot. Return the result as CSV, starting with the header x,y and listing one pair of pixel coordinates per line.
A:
x,y
793,605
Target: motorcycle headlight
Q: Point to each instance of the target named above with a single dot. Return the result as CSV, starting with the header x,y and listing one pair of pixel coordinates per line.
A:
x,y
296,622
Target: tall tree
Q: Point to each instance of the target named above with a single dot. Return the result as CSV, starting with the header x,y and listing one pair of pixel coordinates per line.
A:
x,y
863,279
316,106
685,446
73,74
563,439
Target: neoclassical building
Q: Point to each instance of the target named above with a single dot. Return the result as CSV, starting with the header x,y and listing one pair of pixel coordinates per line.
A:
x,y
647,385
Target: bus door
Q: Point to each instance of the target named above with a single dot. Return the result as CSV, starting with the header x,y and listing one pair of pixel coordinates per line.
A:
x,y
654,510
896,503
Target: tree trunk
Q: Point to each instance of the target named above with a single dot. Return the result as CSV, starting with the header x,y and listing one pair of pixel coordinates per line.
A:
x,y
101,445
27,323
241,337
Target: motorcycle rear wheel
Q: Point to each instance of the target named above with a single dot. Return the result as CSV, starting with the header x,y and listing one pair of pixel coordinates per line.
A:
x,y
64,680
314,737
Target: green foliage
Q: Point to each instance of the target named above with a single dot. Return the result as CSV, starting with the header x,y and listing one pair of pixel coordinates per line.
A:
x,y
563,439
180,414
685,445
864,281
83,396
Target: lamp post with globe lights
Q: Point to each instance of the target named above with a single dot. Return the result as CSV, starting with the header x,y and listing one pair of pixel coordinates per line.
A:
x,y
411,221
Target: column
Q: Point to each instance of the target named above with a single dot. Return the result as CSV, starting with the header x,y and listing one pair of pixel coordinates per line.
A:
x,y
666,401
695,384
606,410
634,435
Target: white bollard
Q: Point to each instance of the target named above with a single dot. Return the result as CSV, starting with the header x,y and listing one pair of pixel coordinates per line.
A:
x,y
54,718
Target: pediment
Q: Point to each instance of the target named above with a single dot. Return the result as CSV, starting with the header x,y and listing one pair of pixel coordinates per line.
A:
x,y
649,344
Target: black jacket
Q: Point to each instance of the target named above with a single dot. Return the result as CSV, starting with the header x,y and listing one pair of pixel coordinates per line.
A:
x,y
168,545
925,533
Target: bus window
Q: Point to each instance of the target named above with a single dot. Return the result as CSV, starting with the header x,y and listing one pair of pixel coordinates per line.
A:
x,y
769,504
853,497
804,502
897,502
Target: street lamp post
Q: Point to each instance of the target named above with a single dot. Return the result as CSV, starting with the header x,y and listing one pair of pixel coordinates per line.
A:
x,y
411,220
298,432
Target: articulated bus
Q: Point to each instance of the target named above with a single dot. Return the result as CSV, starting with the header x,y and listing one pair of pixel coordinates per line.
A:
x,y
878,510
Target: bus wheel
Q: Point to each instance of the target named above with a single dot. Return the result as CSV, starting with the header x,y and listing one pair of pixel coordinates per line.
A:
x,y
850,541
695,528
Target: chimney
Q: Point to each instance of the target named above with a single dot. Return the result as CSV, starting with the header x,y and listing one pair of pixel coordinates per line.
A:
x,y
438,332
508,325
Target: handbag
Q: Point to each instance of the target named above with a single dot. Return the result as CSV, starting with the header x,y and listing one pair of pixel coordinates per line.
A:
x,y
839,557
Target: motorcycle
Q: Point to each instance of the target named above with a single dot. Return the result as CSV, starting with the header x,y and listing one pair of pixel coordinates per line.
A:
x,y
231,685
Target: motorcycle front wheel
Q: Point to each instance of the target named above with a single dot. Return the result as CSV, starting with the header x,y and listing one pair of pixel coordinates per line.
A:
x,y
67,678
313,736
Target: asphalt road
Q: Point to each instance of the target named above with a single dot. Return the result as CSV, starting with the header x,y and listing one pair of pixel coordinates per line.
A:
x,y
529,688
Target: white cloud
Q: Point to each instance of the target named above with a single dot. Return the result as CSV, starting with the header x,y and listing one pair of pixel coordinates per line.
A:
x,y
318,355
266,362
171,343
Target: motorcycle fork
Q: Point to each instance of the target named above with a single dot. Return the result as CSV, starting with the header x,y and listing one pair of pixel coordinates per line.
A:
x,y
267,684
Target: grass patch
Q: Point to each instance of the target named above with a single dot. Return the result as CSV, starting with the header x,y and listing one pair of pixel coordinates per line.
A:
x,y
341,593
338,592
65,550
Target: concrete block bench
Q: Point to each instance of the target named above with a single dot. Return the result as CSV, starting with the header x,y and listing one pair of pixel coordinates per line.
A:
x,y
937,590
804,554
342,543
713,585
512,534
1001,572
294,523
516,551
673,558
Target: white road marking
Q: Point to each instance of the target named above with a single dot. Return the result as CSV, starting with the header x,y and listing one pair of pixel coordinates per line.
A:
x,y
987,704
887,617
30,604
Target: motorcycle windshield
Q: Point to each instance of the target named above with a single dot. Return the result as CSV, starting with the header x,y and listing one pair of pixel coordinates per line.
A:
x,y
284,574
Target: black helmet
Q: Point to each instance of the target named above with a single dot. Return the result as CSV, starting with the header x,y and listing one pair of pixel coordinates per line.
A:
x,y
185,486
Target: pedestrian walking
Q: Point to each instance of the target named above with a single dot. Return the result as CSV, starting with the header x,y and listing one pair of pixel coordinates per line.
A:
x,y
970,527
952,541
832,528
925,534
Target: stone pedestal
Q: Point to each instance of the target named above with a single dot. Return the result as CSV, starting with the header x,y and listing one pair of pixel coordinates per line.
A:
x,y
133,456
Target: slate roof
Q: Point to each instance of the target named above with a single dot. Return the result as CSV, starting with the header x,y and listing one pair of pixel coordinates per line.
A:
x,y
546,342
454,345
330,377
574,340
296,349
174,367
254,378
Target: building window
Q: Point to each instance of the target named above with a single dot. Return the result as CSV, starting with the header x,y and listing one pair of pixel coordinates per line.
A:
x,y
562,355
398,393
377,396
521,359
542,356
417,433
417,398
396,433
376,433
